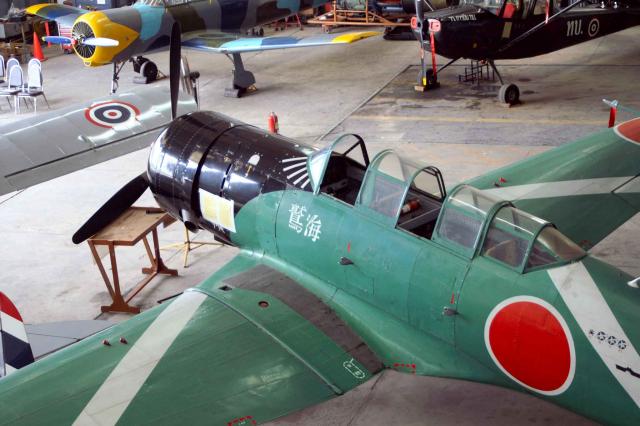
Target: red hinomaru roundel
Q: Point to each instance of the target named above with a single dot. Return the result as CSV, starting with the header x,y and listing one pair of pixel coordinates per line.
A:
x,y
629,130
531,343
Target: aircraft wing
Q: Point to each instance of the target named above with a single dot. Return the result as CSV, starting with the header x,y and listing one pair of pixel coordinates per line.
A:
x,y
247,346
62,14
229,44
588,188
55,143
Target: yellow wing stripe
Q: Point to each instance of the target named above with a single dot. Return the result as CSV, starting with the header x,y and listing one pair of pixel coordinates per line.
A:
x,y
33,10
352,37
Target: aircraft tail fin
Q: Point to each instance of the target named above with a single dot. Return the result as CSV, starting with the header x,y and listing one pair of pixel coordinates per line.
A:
x,y
15,350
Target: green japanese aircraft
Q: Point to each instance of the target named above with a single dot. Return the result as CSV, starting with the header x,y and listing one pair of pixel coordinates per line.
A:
x,y
114,36
349,265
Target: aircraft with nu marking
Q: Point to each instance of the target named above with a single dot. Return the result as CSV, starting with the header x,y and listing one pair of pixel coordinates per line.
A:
x,y
349,265
513,29
114,36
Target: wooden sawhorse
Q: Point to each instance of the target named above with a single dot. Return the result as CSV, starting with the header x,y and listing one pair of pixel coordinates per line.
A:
x,y
135,224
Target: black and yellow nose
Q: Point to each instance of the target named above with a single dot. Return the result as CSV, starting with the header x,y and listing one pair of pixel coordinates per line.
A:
x,y
97,26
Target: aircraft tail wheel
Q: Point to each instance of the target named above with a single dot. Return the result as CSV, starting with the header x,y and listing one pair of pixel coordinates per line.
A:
x,y
509,94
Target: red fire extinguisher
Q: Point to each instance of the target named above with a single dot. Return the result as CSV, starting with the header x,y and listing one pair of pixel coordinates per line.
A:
x,y
272,122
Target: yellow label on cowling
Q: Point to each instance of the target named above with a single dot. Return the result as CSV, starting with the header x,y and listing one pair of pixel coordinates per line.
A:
x,y
217,210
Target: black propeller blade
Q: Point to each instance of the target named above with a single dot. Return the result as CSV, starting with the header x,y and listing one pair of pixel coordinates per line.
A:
x,y
174,67
128,194
117,204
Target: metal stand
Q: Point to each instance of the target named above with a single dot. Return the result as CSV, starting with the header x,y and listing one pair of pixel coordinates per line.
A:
x,y
242,81
188,245
351,17
478,71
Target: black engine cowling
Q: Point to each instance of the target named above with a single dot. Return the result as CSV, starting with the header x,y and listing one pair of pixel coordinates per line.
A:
x,y
225,157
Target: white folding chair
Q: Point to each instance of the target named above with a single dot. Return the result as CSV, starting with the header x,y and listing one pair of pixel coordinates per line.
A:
x,y
3,73
34,87
33,62
11,62
14,86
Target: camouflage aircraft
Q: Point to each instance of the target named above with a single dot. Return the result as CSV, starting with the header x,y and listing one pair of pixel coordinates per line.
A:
x,y
349,265
114,36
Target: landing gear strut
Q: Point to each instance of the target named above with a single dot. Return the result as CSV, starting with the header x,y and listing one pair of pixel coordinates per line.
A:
x,y
117,67
242,81
508,93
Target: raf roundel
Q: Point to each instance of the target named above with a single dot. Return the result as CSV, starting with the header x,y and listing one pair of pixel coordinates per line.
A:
x,y
531,343
111,113
629,130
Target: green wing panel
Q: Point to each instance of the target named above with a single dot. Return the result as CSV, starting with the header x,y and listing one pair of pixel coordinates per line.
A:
x,y
588,188
212,355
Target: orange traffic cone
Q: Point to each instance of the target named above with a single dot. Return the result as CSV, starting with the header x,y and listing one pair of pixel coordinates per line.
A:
x,y
37,49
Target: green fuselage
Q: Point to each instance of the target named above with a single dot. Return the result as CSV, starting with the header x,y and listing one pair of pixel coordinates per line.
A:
x,y
460,295
396,290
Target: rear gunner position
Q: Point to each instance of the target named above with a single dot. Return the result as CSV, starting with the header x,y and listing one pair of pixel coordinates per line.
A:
x,y
350,264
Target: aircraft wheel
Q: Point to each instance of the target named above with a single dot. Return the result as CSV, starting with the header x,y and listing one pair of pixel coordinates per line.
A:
x,y
509,94
150,71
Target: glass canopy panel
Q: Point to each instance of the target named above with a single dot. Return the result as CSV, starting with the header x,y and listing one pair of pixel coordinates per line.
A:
x,y
385,183
509,236
552,247
346,144
462,218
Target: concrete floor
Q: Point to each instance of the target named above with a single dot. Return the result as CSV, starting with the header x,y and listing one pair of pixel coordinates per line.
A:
x,y
367,88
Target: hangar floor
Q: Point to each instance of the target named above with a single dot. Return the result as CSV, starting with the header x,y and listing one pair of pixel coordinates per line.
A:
x,y
364,88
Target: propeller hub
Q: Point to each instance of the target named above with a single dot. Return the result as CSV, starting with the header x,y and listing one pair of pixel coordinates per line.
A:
x,y
80,32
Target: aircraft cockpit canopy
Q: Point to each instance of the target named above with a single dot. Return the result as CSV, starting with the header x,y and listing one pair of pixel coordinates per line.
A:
x,y
513,238
399,190
462,218
525,242
395,190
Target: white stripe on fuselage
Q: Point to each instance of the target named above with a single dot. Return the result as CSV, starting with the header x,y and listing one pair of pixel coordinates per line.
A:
x,y
13,327
560,188
585,301
114,395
